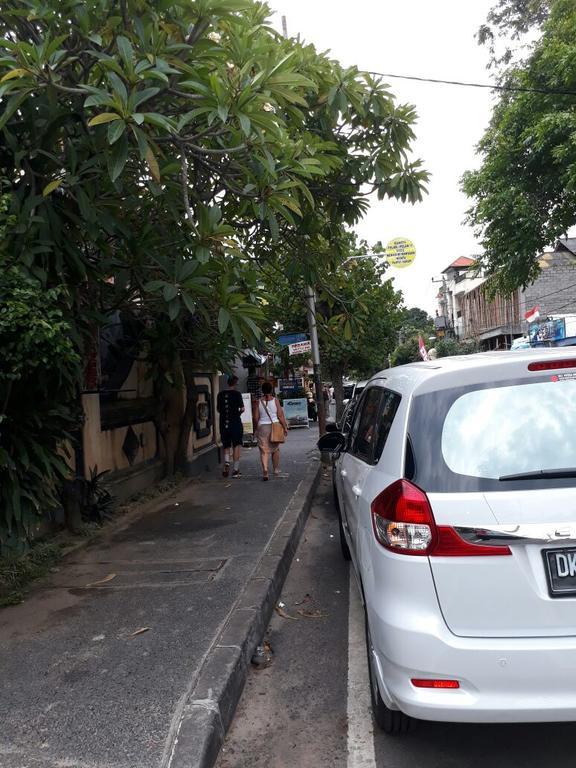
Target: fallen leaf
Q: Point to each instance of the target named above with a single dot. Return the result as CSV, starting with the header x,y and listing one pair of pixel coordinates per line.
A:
x,y
102,581
139,631
312,614
305,599
282,612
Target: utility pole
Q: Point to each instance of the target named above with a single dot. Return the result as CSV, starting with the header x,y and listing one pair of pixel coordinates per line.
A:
x,y
310,297
311,307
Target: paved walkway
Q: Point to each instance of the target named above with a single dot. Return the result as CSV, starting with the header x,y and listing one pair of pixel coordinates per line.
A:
x,y
97,664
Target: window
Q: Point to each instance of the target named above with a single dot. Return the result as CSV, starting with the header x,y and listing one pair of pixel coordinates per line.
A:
x,y
464,439
373,422
521,428
365,427
390,404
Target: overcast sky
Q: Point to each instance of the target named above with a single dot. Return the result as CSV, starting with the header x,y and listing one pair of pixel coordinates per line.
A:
x,y
423,38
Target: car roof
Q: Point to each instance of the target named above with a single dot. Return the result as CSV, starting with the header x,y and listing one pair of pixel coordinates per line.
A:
x,y
463,369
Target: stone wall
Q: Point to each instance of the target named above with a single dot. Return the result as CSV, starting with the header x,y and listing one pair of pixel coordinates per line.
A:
x,y
555,288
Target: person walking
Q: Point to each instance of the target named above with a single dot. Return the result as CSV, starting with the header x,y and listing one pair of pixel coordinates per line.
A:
x,y
270,424
230,406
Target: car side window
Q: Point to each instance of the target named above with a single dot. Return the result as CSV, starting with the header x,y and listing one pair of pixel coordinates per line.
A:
x,y
390,403
365,434
348,417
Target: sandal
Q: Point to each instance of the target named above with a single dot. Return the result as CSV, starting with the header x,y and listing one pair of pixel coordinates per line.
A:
x,y
265,478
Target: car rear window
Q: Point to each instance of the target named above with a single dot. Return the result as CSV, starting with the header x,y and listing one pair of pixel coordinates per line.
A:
x,y
468,438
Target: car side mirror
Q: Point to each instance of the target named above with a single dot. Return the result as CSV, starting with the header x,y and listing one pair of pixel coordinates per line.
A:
x,y
332,442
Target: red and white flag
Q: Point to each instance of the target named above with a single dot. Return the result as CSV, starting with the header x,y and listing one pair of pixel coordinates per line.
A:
x,y
422,349
533,314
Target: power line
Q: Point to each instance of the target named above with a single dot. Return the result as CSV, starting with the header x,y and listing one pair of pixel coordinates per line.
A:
x,y
553,293
464,84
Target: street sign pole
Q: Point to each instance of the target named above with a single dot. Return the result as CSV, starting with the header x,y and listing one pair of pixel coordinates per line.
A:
x,y
311,307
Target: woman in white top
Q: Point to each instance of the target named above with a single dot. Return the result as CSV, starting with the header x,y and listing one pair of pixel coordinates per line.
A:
x,y
268,411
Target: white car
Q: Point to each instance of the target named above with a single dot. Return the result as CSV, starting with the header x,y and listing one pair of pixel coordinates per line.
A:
x,y
456,487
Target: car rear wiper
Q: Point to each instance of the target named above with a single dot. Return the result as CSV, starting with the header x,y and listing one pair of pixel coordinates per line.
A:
x,y
541,474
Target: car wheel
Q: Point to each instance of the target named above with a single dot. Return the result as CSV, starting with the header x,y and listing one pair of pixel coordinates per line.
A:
x,y
391,721
343,543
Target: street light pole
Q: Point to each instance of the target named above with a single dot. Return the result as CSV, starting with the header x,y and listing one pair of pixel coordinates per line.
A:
x,y
319,393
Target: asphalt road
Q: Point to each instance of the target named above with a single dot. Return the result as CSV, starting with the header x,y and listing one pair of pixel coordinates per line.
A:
x,y
310,706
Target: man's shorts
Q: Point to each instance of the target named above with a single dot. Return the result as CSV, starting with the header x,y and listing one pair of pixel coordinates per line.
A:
x,y
232,435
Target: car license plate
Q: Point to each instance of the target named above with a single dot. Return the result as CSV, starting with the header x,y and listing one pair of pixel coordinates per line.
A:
x,y
561,571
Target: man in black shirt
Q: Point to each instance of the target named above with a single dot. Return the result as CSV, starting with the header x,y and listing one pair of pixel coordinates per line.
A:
x,y
230,406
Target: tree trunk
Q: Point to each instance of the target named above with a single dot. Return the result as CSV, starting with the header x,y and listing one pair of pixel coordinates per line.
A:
x,y
72,498
181,458
170,411
337,376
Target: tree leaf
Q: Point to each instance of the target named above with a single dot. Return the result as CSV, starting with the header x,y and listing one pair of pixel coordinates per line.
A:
x,y
245,124
125,48
223,319
170,292
189,302
51,187
19,72
139,97
154,118
104,117
115,130
117,158
174,309
152,163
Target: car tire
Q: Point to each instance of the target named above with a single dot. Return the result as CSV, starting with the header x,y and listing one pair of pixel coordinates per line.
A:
x,y
390,721
343,543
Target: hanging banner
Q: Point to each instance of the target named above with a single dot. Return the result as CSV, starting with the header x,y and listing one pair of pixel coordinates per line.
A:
x,y
301,348
400,252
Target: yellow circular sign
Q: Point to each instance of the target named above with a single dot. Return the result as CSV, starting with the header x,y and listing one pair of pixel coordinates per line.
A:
x,y
400,252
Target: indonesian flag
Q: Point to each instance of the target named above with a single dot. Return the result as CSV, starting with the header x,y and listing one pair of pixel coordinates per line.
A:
x,y
422,349
533,314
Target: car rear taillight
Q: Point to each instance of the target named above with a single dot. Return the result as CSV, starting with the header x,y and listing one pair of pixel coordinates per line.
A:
x,y
551,365
442,684
403,522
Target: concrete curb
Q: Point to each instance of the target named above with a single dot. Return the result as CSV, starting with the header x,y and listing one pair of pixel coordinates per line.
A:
x,y
211,704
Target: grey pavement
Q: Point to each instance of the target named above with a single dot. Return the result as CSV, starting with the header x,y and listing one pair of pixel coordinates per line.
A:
x,y
97,665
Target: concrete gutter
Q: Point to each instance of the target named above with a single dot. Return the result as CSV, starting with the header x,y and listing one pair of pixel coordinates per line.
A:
x,y
209,708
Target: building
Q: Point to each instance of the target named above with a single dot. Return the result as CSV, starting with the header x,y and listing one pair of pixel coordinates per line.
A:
x,y
466,312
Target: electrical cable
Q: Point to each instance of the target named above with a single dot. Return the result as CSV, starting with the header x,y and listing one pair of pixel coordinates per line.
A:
x,y
464,84
553,293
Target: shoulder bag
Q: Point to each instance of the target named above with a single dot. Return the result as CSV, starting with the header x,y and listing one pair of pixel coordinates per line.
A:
x,y
277,434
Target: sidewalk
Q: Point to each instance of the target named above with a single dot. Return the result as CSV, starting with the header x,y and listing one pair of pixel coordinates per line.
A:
x,y
134,653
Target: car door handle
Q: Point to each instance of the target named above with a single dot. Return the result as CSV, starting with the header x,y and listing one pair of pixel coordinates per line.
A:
x,y
343,473
356,490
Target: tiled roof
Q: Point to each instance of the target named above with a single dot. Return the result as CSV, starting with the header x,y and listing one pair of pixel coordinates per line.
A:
x,y
461,263
568,244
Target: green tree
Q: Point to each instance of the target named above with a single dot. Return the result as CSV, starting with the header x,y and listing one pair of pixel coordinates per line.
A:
x,y
450,347
358,311
508,23
38,380
524,193
159,154
406,352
